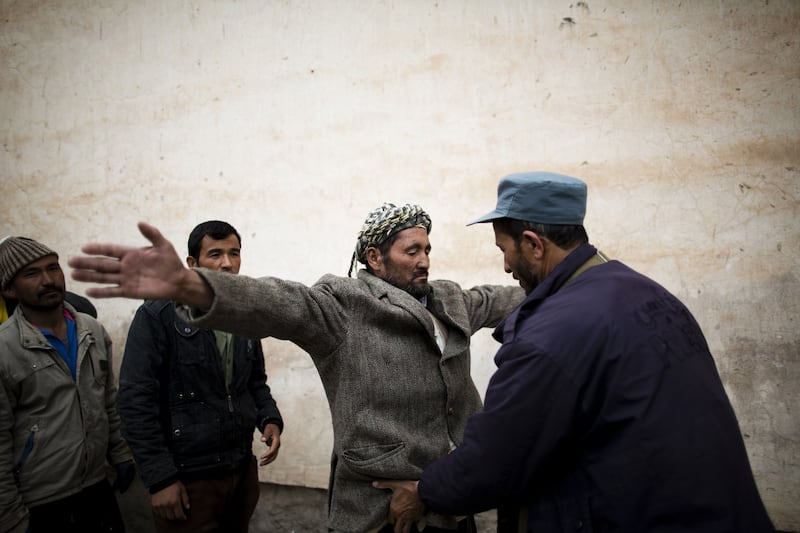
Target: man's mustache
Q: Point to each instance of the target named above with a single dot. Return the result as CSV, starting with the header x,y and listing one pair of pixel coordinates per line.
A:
x,y
51,288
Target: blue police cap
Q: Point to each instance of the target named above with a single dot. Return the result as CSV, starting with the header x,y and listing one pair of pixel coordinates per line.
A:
x,y
542,197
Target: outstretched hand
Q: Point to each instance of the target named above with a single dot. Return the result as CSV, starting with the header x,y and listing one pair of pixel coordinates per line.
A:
x,y
406,508
151,272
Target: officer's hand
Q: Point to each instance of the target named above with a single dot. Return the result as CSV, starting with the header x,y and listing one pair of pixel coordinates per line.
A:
x,y
406,508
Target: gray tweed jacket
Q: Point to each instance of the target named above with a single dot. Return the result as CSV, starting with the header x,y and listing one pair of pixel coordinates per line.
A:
x,y
396,400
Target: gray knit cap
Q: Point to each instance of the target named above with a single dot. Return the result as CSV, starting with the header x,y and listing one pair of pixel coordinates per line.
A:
x,y
17,253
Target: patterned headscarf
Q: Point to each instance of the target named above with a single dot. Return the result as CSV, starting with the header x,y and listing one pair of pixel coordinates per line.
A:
x,y
384,222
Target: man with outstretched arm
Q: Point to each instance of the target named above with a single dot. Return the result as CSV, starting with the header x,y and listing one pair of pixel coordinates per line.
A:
x,y
391,348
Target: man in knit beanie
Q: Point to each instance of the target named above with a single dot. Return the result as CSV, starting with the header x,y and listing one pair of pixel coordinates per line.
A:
x,y
17,252
57,402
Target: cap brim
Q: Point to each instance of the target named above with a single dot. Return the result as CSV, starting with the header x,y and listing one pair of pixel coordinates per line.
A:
x,y
488,217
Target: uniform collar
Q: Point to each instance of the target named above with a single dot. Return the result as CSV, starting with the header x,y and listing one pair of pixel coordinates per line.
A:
x,y
549,286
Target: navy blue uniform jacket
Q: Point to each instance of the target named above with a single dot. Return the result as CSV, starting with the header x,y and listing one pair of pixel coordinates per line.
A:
x,y
606,413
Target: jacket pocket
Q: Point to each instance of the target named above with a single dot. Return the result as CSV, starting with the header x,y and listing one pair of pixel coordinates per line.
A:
x,y
196,435
379,461
27,449
100,366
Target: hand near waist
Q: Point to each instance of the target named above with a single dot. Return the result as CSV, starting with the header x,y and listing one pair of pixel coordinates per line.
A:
x,y
272,438
170,502
406,508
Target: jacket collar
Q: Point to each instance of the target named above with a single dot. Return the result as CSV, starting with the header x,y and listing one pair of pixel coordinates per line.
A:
x,y
383,290
549,286
31,337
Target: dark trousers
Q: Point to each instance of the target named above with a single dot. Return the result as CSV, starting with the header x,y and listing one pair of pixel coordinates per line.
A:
x,y
92,510
467,525
221,504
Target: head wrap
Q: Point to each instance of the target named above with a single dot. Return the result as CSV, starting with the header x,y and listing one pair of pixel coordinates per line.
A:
x,y
384,222
17,253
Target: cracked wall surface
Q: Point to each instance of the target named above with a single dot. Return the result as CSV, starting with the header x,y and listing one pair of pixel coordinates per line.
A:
x,y
292,120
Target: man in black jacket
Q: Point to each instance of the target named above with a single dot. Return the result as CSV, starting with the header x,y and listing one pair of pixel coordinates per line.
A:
x,y
190,399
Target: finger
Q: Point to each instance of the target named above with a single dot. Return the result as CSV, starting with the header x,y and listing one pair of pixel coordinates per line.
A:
x,y
170,512
268,457
95,276
384,485
104,292
104,249
151,233
94,263
175,512
403,524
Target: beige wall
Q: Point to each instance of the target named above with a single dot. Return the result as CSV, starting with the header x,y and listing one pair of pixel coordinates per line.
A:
x,y
292,119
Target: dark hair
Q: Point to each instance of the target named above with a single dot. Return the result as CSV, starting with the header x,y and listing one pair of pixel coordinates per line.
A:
x,y
216,229
563,236
383,248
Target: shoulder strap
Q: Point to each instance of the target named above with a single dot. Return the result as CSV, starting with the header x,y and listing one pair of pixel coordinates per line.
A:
x,y
596,259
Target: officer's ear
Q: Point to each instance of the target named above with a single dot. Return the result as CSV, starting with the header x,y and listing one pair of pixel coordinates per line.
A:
x,y
532,243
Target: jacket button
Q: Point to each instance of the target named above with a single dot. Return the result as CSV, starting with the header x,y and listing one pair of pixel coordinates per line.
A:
x,y
180,396
187,330
177,432
191,395
450,411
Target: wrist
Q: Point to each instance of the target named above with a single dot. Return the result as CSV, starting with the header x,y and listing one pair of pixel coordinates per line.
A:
x,y
193,290
161,485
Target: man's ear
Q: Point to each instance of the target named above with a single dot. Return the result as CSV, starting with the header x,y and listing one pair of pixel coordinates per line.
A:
x,y
10,293
191,261
531,242
374,258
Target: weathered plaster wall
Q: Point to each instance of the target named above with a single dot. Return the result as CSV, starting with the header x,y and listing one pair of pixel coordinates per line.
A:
x,y
292,119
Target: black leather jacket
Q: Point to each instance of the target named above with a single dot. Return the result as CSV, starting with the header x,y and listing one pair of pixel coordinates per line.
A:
x,y
177,416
